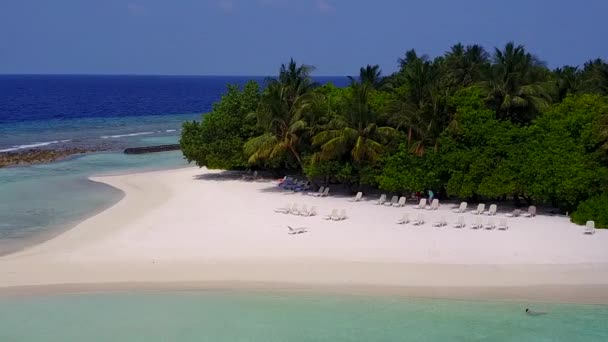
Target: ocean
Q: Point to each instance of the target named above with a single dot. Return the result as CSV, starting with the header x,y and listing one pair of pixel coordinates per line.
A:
x,y
241,316
93,112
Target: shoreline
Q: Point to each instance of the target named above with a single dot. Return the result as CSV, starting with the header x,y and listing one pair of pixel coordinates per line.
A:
x,y
173,230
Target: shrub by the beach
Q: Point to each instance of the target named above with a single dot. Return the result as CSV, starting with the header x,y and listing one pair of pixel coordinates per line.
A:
x,y
593,209
217,140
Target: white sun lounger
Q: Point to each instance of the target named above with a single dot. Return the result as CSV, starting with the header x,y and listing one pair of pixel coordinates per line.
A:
x,y
421,205
441,223
590,227
480,209
341,216
492,210
503,224
514,213
462,208
299,230
325,193
357,198
477,224
318,193
394,201
302,211
401,202
294,210
490,224
434,205
419,220
531,212
460,222
285,210
404,219
334,212
381,200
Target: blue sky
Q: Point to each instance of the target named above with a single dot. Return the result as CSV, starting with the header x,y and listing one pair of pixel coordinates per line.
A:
x,y
252,37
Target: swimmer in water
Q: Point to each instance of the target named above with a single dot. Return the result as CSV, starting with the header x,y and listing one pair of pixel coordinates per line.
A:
x,y
534,313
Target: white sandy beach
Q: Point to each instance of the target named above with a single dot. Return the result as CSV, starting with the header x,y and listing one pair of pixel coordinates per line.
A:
x,y
193,226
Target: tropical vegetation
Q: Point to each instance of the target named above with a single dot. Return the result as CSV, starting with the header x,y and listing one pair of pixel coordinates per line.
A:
x,y
470,124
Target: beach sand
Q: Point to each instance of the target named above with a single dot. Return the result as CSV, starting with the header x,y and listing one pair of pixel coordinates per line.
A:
x,y
193,228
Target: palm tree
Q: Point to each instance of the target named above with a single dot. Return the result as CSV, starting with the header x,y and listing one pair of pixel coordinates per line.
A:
x,y
595,75
281,114
371,75
466,65
568,81
517,88
354,132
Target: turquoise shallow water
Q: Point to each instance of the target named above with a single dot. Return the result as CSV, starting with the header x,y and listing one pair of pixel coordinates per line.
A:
x,y
228,316
39,201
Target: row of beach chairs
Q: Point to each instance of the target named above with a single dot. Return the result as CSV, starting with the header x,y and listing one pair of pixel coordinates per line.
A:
x,y
336,216
481,207
322,192
460,222
298,211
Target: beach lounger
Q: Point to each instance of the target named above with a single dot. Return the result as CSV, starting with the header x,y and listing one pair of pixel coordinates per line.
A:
x,y
311,212
460,222
401,202
492,210
441,223
299,230
421,205
341,216
531,212
434,205
490,224
404,219
334,212
589,227
462,208
357,198
480,209
514,213
325,192
477,224
303,211
294,210
381,200
419,220
318,193
394,201
285,210
503,224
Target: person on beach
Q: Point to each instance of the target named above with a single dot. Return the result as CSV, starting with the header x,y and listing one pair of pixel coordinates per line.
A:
x,y
431,195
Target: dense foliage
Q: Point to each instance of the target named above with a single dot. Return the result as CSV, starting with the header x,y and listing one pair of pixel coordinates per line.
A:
x,y
468,124
593,209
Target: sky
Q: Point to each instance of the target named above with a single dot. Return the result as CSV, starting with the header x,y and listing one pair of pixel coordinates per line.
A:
x,y
253,37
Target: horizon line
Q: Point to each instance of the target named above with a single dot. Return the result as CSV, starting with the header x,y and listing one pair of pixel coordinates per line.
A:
x,y
161,75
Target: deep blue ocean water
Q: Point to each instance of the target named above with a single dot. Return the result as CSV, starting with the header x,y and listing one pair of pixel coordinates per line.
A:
x,y
107,112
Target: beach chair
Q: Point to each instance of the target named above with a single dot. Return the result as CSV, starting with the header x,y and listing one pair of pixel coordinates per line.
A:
x,y
421,205
531,212
492,210
460,222
490,224
303,211
480,209
318,193
404,219
284,210
334,212
462,208
299,230
381,200
294,210
394,201
341,216
514,213
419,220
357,198
503,224
441,223
477,224
325,192
434,205
589,227
401,202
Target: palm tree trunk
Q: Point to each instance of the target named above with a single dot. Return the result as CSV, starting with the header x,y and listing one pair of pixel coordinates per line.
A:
x,y
297,155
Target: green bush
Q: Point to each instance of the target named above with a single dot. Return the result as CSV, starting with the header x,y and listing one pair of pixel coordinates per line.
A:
x,y
593,209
